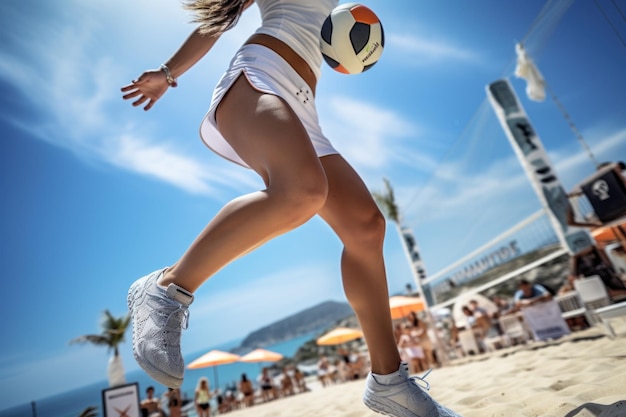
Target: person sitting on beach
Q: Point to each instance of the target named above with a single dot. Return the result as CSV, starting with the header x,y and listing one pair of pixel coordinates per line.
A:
x,y
484,321
504,306
266,382
324,371
341,370
286,383
300,379
470,320
592,261
359,366
478,310
411,351
151,406
529,294
247,390
478,324
419,330
174,401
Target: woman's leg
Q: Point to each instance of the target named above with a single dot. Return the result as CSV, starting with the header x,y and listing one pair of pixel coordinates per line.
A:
x,y
266,133
354,216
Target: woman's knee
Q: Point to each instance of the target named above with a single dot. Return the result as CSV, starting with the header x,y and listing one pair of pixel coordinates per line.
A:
x,y
302,198
366,230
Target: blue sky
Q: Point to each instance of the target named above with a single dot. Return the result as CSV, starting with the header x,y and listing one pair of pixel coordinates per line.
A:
x,y
97,193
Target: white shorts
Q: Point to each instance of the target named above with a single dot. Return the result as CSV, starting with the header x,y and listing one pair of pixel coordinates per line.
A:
x,y
269,73
414,352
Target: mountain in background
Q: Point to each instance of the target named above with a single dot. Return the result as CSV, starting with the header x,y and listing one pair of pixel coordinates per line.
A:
x,y
316,318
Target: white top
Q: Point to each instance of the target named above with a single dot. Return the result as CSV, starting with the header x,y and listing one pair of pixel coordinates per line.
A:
x,y
297,23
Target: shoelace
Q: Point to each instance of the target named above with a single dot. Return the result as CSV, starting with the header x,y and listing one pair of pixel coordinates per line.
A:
x,y
184,322
420,381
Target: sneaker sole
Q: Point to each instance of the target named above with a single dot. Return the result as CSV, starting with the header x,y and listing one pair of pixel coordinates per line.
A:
x,y
161,377
387,410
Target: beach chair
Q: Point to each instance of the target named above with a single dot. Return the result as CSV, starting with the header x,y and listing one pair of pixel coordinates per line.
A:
x,y
570,305
468,342
513,327
593,295
596,299
611,312
494,343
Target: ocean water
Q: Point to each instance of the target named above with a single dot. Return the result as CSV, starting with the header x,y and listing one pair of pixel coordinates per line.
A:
x,y
72,403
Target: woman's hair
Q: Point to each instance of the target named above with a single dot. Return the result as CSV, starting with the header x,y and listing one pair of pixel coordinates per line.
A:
x,y
215,16
202,380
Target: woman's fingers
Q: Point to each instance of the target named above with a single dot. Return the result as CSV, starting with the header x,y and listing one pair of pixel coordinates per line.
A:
x,y
132,94
140,101
143,90
149,105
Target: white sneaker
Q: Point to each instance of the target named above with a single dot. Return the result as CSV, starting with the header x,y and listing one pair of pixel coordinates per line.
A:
x,y
403,397
158,315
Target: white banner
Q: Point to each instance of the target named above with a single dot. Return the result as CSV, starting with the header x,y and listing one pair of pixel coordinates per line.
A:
x,y
545,320
121,401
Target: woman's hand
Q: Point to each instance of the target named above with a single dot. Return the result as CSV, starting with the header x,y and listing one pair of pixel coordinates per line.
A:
x,y
150,86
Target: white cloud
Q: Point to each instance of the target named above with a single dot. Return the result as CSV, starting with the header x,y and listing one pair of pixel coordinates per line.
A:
x,y
70,76
420,51
368,135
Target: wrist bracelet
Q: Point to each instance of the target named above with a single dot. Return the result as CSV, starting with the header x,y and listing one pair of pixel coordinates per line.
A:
x,y
168,76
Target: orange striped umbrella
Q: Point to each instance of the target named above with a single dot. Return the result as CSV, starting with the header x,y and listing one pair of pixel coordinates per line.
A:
x,y
401,306
213,359
261,355
339,335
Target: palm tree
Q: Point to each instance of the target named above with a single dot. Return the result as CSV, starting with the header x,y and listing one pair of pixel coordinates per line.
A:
x,y
387,203
90,411
113,331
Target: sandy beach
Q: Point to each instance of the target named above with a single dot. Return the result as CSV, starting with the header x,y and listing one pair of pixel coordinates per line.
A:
x,y
580,375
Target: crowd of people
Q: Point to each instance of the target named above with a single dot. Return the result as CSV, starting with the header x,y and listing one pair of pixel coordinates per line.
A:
x,y
587,263
415,343
346,366
152,406
268,386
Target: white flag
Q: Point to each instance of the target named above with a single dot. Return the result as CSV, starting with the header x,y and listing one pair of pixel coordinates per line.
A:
x,y
526,69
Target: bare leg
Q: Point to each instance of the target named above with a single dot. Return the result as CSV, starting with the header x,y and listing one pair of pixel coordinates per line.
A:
x,y
271,139
354,216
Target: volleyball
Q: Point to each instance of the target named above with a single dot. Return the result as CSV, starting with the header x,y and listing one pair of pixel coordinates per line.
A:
x,y
352,38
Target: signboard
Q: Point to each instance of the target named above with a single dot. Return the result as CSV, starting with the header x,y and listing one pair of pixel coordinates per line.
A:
x,y
545,320
534,160
607,194
121,401
419,270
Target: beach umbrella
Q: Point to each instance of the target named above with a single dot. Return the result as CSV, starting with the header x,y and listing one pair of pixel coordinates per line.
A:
x,y
261,355
213,359
339,335
401,306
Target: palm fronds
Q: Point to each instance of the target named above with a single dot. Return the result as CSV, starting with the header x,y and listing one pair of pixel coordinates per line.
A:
x,y
387,202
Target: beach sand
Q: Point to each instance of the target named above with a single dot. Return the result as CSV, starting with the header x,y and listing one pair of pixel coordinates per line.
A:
x,y
580,375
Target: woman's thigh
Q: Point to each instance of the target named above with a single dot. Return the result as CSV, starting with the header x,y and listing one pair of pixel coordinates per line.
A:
x,y
267,134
